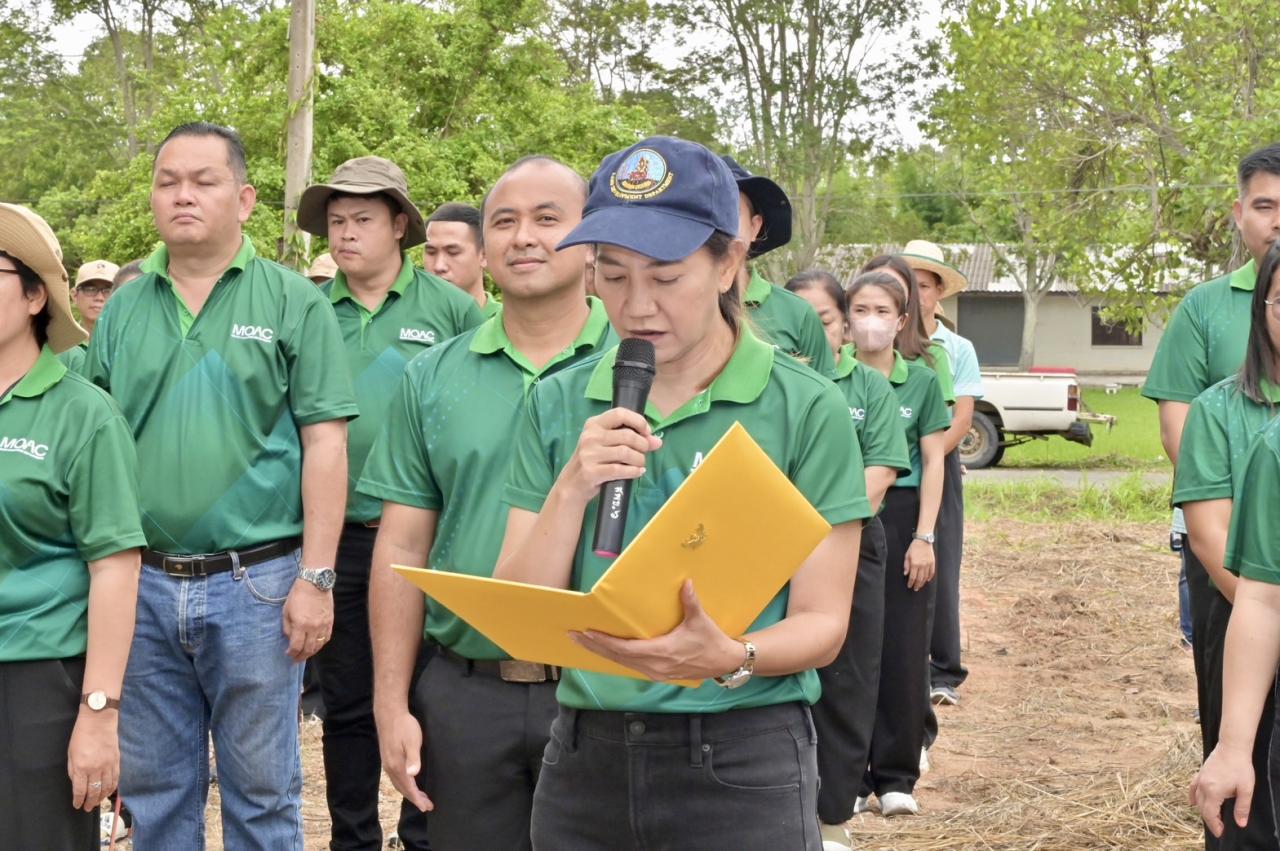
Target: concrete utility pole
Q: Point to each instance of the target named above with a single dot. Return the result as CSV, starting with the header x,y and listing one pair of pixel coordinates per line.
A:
x,y
297,170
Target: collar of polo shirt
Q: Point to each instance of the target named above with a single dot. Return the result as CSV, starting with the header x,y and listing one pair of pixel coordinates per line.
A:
x,y
1245,278
758,289
492,336
339,289
44,373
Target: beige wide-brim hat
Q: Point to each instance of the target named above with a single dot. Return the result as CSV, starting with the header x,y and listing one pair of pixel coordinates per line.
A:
x,y
322,267
362,176
927,256
96,270
26,236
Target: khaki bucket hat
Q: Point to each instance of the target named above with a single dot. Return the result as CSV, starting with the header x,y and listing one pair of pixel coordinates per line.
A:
x,y
26,236
362,176
927,256
322,267
96,270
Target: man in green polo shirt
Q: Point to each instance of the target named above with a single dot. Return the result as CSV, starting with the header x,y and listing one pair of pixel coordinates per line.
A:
x,y
389,311
781,317
1204,343
455,251
473,745
229,370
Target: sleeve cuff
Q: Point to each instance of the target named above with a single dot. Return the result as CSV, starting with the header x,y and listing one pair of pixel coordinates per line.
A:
x,y
115,545
520,498
343,412
389,493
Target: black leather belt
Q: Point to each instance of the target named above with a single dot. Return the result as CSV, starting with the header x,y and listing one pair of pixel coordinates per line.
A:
x,y
206,564
507,670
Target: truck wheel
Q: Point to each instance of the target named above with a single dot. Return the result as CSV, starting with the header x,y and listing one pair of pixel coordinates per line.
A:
x,y
981,446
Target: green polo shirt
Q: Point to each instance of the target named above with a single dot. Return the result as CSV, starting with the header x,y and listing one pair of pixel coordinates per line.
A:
x,y
789,322
1253,545
68,495
447,446
796,416
419,311
492,307
1221,427
921,409
873,406
216,410
941,367
1205,340
73,358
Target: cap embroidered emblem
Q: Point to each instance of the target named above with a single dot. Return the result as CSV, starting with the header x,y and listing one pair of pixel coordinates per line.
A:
x,y
642,175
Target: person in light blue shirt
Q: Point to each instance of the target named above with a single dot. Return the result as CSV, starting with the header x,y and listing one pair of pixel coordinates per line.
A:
x,y
938,280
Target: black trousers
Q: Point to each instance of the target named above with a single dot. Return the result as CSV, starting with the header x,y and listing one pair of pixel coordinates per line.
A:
x,y
846,714
1260,833
744,780
39,702
904,658
945,668
483,740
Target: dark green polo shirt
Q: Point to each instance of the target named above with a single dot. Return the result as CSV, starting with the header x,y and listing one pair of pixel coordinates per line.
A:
x,y
68,495
1253,545
216,408
1221,427
73,358
1205,340
873,406
796,416
941,367
921,408
788,322
420,311
447,446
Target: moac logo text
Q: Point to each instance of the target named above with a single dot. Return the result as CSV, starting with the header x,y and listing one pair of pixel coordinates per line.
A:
x,y
24,445
252,332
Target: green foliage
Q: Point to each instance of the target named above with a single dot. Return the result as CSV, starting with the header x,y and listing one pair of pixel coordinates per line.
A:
x,y
1130,500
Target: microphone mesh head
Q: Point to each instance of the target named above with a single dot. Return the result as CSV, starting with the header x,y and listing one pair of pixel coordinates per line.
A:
x,y
635,358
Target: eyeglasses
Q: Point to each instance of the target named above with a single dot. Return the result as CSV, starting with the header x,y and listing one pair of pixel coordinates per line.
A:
x,y
94,291
9,272
1274,304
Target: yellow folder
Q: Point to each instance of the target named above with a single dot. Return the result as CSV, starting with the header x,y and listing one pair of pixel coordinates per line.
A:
x,y
736,526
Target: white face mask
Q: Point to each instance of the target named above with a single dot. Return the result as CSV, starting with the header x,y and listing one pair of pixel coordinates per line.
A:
x,y
873,333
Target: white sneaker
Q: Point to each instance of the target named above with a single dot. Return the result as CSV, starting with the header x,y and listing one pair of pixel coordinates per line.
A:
x,y
924,762
836,837
898,804
861,805
111,829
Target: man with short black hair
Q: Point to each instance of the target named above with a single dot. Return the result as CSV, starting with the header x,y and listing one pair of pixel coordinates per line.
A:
x,y
228,368
455,251
389,312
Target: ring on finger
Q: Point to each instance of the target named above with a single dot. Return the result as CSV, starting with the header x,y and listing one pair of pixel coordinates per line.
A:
x,y
97,784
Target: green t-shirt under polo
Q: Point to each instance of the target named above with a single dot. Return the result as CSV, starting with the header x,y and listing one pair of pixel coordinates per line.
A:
x,y
788,322
1221,427
419,311
1205,340
873,406
796,416
446,446
68,495
216,408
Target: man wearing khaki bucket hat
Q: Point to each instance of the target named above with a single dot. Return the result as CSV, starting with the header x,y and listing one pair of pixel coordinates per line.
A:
x,y
69,538
389,311
228,367
939,280
93,288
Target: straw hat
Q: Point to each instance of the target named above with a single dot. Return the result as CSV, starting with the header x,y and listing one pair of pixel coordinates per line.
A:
x,y
927,256
322,267
96,270
362,176
26,236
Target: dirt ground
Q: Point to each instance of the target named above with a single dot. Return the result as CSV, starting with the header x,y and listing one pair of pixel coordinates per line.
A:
x,y
1075,728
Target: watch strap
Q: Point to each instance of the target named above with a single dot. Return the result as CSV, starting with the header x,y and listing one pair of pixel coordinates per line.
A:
x,y
111,702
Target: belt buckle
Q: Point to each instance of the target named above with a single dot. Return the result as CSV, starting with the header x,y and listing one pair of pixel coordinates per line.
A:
x,y
183,566
516,671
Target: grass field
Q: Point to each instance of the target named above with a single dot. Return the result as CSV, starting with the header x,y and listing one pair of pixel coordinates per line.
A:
x,y
1130,500
1134,443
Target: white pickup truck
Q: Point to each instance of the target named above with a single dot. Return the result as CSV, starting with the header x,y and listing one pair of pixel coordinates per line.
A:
x,y
1018,407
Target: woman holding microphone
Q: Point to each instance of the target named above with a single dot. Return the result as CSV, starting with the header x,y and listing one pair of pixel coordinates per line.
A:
x,y
69,539
643,763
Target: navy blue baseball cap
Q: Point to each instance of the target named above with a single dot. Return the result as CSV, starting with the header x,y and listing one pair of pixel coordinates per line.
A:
x,y
770,202
662,197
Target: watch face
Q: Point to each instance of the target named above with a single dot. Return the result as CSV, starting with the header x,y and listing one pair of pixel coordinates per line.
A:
x,y
325,578
97,701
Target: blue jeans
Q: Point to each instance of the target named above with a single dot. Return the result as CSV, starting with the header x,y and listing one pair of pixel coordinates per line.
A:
x,y
1184,603
209,656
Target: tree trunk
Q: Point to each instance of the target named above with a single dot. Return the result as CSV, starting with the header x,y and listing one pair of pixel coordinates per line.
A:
x,y
107,16
302,45
1030,313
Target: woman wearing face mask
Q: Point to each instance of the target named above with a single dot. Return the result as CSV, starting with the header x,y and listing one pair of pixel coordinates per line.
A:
x,y
913,340
845,716
877,313
640,762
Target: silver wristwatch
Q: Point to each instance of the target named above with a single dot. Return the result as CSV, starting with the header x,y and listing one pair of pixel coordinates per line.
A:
x,y
927,537
321,577
740,676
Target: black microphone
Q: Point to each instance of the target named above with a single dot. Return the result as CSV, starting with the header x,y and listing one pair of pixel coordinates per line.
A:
x,y
633,371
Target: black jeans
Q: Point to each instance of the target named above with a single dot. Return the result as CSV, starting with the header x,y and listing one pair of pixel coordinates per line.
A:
x,y
945,667
483,740
39,703
746,780
904,657
846,714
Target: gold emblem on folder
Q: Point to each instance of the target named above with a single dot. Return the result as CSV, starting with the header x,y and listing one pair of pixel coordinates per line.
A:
x,y
696,539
